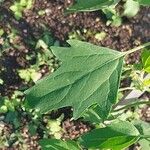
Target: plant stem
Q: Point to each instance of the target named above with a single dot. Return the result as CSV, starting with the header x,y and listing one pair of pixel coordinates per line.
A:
x,y
132,105
137,48
145,136
126,88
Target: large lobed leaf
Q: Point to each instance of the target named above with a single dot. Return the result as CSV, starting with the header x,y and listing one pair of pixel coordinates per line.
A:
x,y
90,5
88,75
116,136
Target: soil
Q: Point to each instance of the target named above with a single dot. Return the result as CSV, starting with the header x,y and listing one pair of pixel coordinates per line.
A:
x,y
132,32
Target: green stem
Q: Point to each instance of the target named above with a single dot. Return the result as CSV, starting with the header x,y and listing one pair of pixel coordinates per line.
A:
x,y
132,105
145,136
126,88
137,48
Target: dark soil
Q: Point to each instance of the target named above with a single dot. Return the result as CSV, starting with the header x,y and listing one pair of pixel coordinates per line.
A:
x,y
132,32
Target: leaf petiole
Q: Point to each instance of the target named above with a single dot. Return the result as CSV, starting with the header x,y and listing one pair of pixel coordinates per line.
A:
x,y
131,105
137,48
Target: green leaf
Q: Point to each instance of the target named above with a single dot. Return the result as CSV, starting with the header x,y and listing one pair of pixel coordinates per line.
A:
x,y
116,136
92,115
23,3
32,129
1,32
88,75
90,5
144,2
145,144
131,8
29,4
144,129
12,117
146,60
54,144
14,7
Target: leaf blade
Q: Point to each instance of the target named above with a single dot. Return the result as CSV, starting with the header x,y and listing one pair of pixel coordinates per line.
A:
x,y
88,5
88,75
55,144
115,136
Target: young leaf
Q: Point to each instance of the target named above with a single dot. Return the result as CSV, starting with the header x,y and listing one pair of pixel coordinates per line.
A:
x,y
92,115
90,5
88,75
116,136
146,60
54,144
131,8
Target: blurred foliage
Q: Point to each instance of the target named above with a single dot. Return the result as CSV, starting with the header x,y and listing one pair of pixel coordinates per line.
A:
x,y
20,6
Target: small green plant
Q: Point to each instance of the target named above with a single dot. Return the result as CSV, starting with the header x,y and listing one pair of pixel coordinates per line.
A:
x,y
19,6
113,17
7,105
29,75
100,36
54,128
129,6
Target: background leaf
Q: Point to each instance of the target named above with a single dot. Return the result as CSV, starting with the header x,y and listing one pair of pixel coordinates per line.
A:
x,y
115,136
54,144
144,129
144,2
88,75
90,5
146,60
131,8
